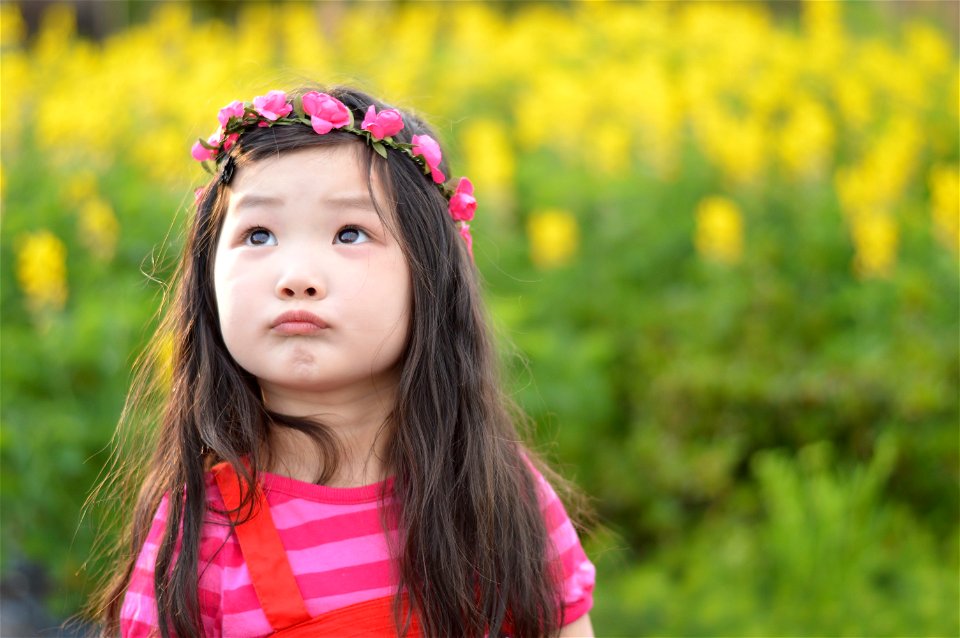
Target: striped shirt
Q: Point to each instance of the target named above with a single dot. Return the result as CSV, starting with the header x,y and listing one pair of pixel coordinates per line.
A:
x,y
335,542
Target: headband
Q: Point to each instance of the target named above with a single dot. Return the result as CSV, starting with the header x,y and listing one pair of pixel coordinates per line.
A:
x,y
325,113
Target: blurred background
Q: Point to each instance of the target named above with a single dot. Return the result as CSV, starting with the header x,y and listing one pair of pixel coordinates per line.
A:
x,y
719,242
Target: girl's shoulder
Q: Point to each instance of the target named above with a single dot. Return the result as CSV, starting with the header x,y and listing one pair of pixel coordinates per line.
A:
x,y
566,550
546,494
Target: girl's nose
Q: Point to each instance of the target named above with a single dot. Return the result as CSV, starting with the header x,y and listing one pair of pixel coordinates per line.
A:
x,y
301,284
295,291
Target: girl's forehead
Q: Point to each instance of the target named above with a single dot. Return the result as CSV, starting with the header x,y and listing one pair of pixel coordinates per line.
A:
x,y
303,164
334,174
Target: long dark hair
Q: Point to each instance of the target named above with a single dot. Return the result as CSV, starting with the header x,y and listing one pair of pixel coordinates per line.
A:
x,y
473,547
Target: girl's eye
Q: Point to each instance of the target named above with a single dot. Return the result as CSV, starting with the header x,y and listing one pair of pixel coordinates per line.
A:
x,y
351,235
260,237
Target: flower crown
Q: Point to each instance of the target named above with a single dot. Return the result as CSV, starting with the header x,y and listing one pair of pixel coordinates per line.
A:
x,y
325,113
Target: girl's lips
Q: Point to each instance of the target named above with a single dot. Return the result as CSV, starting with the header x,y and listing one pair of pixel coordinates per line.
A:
x,y
298,322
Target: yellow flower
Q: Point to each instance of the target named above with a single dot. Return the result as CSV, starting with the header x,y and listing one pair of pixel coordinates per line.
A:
x,y
80,186
98,228
42,270
15,86
647,115
895,78
611,148
824,28
719,232
945,204
164,159
57,29
554,237
555,86
488,154
12,27
875,239
477,38
303,47
879,180
806,140
736,145
822,15
411,50
927,48
854,189
854,99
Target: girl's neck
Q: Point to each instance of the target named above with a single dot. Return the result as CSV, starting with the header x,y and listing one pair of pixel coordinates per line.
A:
x,y
358,420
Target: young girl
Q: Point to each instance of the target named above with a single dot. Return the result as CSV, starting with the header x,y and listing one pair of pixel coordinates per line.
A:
x,y
335,456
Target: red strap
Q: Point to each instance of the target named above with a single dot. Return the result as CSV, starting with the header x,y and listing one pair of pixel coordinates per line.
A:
x,y
369,619
264,554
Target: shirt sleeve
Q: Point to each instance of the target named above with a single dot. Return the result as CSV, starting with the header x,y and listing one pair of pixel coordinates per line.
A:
x,y
138,613
579,574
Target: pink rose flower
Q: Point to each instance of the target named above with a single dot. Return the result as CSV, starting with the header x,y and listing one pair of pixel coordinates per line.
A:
x,y
427,147
386,123
200,152
467,237
326,113
463,204
234,109
229,141
273,105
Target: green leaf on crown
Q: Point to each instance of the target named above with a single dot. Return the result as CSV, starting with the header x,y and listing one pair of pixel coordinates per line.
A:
x,y
380,149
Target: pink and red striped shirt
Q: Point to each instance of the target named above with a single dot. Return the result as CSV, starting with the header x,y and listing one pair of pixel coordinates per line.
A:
x,y
337,548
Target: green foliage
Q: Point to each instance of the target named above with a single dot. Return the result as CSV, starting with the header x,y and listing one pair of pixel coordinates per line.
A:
x,y
645,361
65,374
823,556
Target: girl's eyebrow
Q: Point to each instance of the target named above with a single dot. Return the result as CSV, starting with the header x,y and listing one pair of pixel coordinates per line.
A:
x,y
252,200
354,201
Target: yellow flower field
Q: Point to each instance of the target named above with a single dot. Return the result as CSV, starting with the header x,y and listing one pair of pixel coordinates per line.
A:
x,y
626,89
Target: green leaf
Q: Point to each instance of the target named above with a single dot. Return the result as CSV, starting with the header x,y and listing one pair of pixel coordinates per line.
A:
x,y
298,106
379,148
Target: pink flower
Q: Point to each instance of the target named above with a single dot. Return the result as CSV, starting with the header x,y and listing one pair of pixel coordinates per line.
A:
x,y
467,237
326,113
427,147
463,204
201,153
386,123
229,141
273,105
234,109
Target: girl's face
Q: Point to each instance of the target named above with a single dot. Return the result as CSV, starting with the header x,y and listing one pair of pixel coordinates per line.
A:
x,y
312,288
